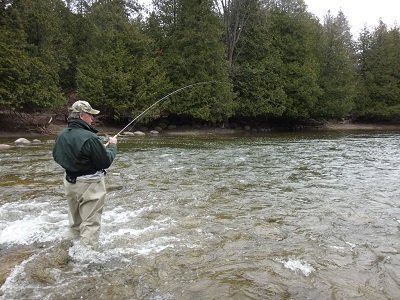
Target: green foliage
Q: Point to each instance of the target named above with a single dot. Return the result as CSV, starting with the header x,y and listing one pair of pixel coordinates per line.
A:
x,y
337,73
259,91
379,65
267,59
28,64
193,52
118,70
257,73
294,38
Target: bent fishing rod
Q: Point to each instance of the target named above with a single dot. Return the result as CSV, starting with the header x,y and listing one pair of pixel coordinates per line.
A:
x,y
158,101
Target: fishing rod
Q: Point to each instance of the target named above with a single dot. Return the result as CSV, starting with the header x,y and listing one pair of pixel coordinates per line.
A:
x,y
158,101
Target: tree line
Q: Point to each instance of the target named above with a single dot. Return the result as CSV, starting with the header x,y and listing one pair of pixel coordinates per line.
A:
x,y
268,60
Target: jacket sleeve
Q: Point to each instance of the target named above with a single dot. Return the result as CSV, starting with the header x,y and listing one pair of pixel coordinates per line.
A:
x,y
101,156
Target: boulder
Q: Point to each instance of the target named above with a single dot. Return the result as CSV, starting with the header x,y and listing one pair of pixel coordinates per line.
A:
x,y
22,141
5,146
139,133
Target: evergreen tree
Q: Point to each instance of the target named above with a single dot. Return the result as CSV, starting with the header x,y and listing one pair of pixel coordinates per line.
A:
x,y
362,100
337,74
257,72
193,52
32,54
379,65
118,70
294,36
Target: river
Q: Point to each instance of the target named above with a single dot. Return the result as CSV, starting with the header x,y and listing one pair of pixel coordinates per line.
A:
x,y
311,215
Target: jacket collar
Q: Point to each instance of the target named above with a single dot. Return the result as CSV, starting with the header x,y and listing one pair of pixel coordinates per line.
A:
x,y
78,123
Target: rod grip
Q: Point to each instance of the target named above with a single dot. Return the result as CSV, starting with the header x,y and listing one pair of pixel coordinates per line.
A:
x,y
114,137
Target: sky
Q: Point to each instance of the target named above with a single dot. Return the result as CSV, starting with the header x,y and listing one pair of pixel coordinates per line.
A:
x,y
359,12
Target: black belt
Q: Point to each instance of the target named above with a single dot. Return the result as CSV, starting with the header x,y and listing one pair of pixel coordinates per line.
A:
x,y
71,176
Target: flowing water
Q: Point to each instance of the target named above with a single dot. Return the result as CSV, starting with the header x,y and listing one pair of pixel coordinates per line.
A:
x,y
279,216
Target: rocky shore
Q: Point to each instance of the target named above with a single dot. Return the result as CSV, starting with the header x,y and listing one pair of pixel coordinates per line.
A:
x,y
24,137
54,128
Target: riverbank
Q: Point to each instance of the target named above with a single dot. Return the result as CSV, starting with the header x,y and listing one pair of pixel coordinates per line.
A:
x,y
54,128
360,126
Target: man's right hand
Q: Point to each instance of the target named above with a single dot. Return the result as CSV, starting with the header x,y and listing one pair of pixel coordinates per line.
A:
x,y
112,140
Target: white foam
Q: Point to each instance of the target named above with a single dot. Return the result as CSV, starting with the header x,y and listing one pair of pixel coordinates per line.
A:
x,y
298,265
82,254
156,249
122,215
157,245
12,279
338,247
177,168
121,230
352,245
43,228
131,231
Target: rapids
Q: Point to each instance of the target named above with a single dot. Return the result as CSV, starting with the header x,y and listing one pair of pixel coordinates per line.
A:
x,y
274,216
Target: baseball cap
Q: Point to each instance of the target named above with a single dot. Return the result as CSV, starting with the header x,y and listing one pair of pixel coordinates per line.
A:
x,y
83,106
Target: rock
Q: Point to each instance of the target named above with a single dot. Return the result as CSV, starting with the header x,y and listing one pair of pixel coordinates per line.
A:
x,y
5,146
41,268
9,258
22,141
139,133
154,132
128,133
36,141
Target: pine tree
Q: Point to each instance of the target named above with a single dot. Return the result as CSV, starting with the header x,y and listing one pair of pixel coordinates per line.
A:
x,y
257,72
379,65
32,48
193,52
118,70
337,74
294,35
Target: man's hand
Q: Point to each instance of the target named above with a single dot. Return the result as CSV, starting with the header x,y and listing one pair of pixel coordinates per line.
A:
x,y
112,140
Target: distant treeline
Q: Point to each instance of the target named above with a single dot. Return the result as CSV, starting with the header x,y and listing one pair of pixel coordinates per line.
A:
x,y
270,60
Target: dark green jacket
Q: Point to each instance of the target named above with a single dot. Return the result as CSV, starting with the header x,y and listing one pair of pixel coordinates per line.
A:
x,y
80,151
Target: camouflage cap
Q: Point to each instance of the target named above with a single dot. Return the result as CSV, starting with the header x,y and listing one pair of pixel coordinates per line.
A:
x,y
84,106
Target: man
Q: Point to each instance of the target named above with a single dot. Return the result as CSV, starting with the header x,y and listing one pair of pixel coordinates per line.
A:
x,y
84,157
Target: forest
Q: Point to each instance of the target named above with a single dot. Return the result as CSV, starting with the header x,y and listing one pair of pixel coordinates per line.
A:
x,y
268,61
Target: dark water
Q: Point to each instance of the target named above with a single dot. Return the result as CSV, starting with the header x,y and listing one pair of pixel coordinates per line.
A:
x,y
279,216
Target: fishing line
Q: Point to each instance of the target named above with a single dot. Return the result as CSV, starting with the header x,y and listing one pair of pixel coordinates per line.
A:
x,y
158,101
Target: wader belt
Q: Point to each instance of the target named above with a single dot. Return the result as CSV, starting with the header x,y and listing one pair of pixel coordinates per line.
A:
x,y
71,176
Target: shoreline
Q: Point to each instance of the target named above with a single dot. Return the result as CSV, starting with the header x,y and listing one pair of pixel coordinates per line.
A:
x,y
361,126
53,129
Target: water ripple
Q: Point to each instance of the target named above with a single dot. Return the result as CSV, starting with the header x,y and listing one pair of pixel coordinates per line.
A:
x,y
252,217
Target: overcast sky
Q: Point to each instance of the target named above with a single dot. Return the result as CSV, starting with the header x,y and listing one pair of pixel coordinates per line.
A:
x,y
359,12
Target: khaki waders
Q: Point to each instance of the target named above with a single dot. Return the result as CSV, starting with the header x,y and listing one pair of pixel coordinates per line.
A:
x,y
86,200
